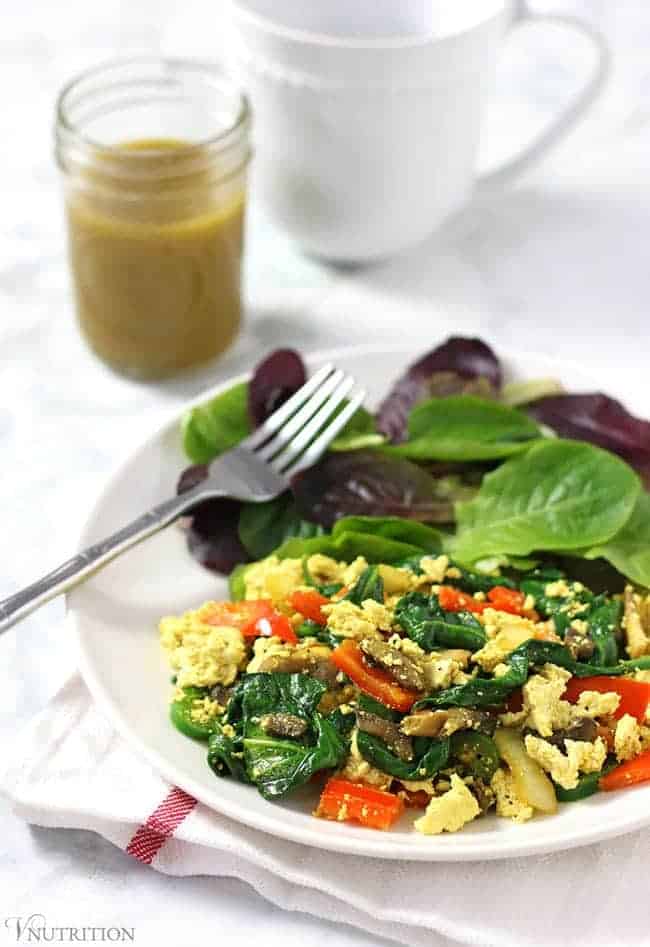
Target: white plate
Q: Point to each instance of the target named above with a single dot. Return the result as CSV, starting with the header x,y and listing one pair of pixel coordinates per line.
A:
x,y
115,618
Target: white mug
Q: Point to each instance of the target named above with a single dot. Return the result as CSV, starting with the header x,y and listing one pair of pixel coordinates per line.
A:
x,y
367,113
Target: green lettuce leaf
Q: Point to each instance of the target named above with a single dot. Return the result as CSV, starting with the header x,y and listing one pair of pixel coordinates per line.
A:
x,y
559,495
466,428
378,539
265,526
237,582
360,431
214,427
629,550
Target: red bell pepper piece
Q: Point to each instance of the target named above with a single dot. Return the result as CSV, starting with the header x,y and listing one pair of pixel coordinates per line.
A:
x,y
276,625
348,657
453,600
628,774
507,600
253,618
635,695
310,605
346,801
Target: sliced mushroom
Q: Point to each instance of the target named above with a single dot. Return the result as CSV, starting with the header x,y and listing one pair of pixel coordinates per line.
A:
x,y
387,731
579,646
283,725
442,723
314,661
404,669
636,623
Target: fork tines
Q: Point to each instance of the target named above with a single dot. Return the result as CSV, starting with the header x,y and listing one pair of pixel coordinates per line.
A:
x,y
296,435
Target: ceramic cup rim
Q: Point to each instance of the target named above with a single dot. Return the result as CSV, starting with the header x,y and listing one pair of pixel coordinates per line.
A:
x,y
264,24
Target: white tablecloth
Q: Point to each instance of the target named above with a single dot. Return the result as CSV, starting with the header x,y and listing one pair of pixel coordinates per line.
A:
x,y
557,265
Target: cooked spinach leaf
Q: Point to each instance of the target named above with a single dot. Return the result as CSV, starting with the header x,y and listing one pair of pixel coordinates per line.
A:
x,y
602,614
477,581
430,756
426,623
561,608
343,723
312,629
369,585
491,692
587,784
603,620
559,495
277,766
225,755
258,694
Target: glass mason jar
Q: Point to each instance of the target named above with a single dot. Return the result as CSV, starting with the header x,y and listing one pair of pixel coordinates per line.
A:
x,y
154,155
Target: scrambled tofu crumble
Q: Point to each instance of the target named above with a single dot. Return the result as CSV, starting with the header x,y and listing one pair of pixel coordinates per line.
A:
x,y
450,811
363,696
200,653
347,620
628,738
508,802
565,768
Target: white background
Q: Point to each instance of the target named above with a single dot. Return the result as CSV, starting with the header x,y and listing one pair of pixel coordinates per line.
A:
x,y
559,264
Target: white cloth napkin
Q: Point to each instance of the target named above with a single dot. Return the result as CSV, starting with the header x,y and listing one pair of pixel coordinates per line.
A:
x,y
69,768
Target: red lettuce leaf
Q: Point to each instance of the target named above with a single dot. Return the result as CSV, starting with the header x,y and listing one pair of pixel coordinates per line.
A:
x,y
191,477
213,537
368,483
274,380
601,420
212,529
458,366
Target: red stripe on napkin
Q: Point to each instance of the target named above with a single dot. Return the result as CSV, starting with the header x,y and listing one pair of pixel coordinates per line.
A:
x,y
163,822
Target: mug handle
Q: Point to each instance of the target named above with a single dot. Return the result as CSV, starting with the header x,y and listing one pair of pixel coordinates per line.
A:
x,y
569,116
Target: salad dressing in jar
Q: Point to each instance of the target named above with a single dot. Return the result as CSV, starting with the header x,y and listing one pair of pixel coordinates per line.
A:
x,y
155,222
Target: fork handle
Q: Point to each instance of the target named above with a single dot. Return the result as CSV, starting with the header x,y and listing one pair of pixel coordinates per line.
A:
x,y
91,560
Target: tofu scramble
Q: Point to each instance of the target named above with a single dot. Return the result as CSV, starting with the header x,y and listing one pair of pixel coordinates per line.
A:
x,y
416,685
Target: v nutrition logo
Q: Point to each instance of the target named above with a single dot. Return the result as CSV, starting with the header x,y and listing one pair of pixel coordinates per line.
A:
x,y
34,929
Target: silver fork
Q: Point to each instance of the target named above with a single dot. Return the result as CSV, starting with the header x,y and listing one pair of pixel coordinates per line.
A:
x,y
260,468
